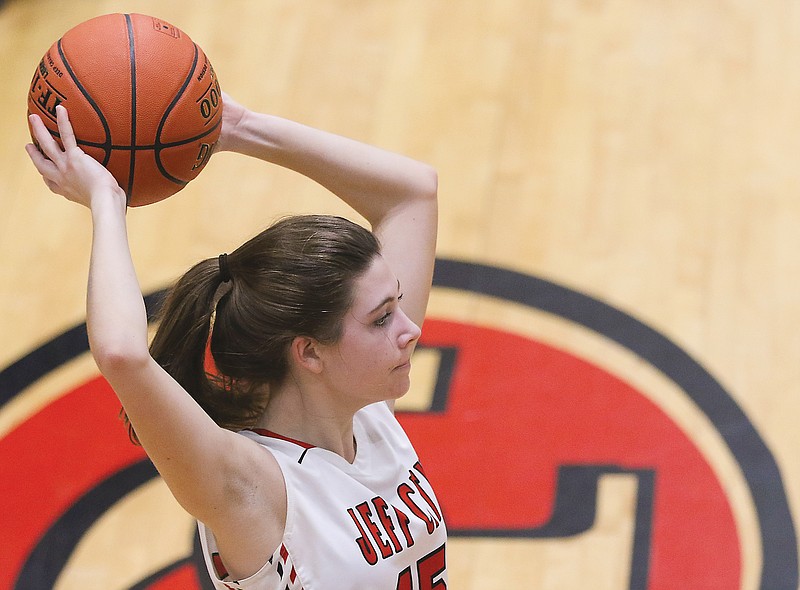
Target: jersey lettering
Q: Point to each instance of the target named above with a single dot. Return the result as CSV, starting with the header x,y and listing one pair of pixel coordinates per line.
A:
x,y
405,492
383,532
430,573
404,522
380,507
415,480
366,514
367,550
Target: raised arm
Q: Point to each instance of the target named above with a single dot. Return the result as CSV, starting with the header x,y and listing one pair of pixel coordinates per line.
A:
x,y
395,194
212,472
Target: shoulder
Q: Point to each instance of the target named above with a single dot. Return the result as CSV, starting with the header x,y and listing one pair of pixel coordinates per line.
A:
x,y
251,523
256,481
280,448
382,428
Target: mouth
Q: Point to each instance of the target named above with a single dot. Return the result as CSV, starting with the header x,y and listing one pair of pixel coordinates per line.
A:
x,y
405,365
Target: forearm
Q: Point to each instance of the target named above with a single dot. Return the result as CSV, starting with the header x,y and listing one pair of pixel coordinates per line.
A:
x,y
116,317
180,438
371,180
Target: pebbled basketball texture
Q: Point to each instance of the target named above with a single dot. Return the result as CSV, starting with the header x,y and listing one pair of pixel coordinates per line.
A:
x,y
142,97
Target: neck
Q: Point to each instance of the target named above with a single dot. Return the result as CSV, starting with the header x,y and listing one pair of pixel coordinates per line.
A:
x,y
311,417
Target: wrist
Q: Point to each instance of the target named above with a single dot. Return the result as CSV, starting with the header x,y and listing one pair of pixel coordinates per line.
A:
x,y
235,131
254,135
107,199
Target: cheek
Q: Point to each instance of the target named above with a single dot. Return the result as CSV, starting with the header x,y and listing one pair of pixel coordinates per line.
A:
x,y
357,355
369,356
364,351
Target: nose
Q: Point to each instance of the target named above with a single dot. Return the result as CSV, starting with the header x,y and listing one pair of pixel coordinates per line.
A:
x,y
410,331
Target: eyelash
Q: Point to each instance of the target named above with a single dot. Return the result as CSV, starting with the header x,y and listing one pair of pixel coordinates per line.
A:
x,y
382,320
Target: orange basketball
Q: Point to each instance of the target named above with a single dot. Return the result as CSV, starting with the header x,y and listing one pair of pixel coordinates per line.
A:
x,y
142,97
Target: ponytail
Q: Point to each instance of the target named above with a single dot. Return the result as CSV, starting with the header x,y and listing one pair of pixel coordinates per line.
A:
x,y
181,347
227,324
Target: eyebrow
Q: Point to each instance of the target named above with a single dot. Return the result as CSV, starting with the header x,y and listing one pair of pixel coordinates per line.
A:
x,y
387,300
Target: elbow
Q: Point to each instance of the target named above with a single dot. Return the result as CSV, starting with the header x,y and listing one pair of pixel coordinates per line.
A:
x,y
428,183
119,358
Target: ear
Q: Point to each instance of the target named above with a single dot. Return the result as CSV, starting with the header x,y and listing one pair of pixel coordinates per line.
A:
x,y
306,354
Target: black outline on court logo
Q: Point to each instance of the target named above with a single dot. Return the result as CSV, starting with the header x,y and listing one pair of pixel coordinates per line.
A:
x,y
761,472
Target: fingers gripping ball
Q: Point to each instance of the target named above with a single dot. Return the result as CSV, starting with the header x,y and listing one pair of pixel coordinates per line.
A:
x,y
142,97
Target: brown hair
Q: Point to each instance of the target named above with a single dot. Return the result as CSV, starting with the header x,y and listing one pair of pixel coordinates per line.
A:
x,y
294,278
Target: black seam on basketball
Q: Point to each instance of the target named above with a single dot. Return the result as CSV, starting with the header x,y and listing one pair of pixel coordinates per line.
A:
x,y
155,146
132,57
178,95
106,146
162,146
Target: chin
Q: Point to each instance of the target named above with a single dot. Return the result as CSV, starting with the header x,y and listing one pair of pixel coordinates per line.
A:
x,y
400,392
399,395
396,392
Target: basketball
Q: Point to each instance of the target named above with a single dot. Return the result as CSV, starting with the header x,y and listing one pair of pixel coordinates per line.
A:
x,y
142,97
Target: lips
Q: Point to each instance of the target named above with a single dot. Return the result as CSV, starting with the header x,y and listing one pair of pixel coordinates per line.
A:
x,y
405,365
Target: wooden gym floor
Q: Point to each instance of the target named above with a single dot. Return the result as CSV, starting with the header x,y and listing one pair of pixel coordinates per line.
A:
x,y
615,328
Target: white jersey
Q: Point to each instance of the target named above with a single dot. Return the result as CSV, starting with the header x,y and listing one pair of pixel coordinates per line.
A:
x,y
373,524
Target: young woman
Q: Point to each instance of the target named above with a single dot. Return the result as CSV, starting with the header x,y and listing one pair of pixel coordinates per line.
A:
x,y
266,398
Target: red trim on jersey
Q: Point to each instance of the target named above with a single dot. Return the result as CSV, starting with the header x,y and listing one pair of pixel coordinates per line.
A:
x,y
222,571
270,434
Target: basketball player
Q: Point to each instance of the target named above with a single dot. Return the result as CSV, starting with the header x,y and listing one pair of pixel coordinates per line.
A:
x,y
266,398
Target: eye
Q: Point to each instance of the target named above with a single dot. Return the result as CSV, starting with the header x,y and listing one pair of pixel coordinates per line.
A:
x,y
385,317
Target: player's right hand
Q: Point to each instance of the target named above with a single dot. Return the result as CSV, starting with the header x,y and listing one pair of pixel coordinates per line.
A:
x,y
69,172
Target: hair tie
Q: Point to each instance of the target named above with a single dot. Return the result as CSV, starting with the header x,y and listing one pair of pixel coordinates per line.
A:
x,y
224,269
